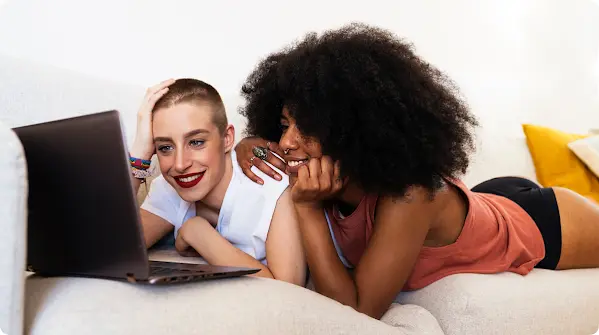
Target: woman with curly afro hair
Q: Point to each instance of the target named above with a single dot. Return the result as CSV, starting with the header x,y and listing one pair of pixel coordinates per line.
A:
x,y
375,140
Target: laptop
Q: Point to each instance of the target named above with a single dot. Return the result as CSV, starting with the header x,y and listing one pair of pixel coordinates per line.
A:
x,y
83,215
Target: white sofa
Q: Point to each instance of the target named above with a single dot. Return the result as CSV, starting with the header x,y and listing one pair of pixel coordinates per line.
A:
x,y
545,302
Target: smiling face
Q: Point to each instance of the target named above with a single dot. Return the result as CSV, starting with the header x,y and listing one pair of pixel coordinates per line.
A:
x,y
190,148
299,148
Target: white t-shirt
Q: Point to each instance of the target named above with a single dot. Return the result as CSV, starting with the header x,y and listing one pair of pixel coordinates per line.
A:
x,y
244,217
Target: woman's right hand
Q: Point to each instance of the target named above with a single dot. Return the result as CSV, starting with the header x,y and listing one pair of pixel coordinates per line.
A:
x,y
143,145
244,151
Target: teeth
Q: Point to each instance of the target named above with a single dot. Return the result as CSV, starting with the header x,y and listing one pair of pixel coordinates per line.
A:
x,y
295,163
188,179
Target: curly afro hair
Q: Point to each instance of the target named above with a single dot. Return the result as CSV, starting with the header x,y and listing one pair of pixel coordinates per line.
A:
x,y
392,119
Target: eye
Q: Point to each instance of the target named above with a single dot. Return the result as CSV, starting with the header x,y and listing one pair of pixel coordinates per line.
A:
x,y
165,148
196,143
284,127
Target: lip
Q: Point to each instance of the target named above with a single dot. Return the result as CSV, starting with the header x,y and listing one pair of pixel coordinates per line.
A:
x,y
189,184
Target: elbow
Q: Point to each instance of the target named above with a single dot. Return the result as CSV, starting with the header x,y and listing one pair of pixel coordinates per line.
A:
x,y
370,312
366,307
292,279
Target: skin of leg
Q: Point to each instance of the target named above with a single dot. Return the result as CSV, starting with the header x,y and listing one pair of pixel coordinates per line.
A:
x,y
580,230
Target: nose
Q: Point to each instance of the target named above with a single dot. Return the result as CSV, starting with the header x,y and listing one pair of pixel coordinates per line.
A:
x,y
289,140
182,160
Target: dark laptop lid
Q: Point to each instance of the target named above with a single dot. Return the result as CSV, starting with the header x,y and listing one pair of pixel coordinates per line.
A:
x,y
83,217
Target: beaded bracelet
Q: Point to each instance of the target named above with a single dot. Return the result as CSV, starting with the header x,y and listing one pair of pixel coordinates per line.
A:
x,y
141,173
141,164
140,168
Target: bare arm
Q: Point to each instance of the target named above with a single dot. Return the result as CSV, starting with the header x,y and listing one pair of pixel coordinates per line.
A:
x,y
399,232
199,234
154,227
284,250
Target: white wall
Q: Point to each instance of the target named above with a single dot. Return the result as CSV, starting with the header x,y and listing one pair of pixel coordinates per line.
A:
x,y
515,60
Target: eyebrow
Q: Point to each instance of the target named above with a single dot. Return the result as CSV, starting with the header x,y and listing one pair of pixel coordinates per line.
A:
x,y
186,135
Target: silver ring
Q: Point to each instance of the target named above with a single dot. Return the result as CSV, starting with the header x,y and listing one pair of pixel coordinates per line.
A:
x,y
252,160
260,152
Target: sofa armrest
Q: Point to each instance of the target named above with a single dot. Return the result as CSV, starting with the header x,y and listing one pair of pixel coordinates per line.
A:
x,y
13,223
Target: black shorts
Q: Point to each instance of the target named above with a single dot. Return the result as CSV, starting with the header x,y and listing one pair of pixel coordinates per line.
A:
x,y
539,203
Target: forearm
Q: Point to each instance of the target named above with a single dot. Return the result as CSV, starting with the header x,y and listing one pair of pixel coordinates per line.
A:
x,y
328,273
138,153
136,184
216,250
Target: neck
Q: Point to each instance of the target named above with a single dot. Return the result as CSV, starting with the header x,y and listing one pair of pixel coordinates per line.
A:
x,y
351,195
214,199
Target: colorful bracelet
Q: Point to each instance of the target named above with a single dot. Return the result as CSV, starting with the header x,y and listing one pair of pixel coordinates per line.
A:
x,y
140,164
141,173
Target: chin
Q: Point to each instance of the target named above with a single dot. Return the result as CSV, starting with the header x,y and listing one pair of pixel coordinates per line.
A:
x,y
193,194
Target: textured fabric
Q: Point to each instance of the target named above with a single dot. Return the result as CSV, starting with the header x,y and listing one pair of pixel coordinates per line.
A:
x,y
245,215
13,216
246,305
412,319
353,232
545,302
498,235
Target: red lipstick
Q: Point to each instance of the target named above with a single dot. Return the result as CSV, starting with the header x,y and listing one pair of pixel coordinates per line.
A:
x,y
191,179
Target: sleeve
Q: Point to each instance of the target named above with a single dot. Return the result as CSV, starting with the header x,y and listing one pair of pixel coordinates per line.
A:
x,y
162,200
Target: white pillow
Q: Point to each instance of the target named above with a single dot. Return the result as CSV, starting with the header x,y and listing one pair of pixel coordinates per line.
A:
x,y
587,150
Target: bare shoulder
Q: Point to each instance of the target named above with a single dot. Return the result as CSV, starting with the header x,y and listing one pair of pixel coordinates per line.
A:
x,y
285,203
416,196
419,204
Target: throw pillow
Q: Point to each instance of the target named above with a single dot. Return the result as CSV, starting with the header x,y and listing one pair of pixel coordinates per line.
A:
x,y
587,150
555,164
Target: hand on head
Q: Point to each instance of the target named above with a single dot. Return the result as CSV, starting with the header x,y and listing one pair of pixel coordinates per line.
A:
x,y
143,145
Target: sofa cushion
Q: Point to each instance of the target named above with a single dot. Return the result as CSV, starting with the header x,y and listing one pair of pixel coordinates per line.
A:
x,y
554,162
542,302
244,305
13,216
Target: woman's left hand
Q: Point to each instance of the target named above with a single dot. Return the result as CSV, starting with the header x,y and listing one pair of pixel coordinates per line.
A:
x,y
318,180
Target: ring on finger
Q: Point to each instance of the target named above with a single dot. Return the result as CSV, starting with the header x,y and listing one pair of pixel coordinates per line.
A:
x,y
252,160
260,152
268,145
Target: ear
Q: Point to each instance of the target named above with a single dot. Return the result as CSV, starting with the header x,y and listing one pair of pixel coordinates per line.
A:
x,y
229,137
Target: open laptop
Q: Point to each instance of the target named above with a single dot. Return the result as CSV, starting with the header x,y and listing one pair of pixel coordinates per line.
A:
x,y
83,213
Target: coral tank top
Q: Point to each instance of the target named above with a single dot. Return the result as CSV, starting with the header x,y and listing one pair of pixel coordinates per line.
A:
x,y
497,236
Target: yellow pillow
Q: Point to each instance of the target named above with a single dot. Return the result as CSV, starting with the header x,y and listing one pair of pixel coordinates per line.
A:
x,y
555,164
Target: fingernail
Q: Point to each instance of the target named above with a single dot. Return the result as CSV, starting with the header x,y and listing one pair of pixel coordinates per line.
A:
x,y
277,177
261,182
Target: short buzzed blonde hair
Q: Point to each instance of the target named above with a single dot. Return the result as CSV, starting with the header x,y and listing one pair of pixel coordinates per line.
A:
x,y
194,90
